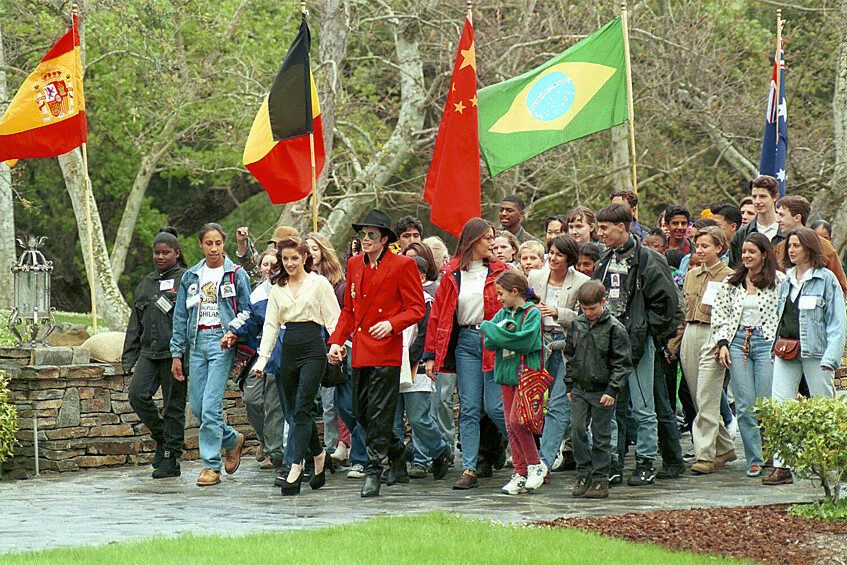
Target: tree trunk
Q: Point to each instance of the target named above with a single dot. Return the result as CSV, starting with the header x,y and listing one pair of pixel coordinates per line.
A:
x,y
396,149
123,237
831,205
621,160
110,302
7,210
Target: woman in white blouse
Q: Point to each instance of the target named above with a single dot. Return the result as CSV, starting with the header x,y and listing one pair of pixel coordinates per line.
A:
x,y
304,302
744,320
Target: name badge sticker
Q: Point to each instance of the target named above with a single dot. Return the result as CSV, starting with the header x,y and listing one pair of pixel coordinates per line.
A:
x,y
192,301
227,290
808,302
192,288
164,304
166,284
711,293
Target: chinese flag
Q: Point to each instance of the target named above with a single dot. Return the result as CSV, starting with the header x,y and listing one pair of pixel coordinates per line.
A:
x,y
278,150
452,185
47,116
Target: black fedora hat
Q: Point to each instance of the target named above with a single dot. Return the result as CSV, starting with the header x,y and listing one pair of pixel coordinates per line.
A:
x,y
378,219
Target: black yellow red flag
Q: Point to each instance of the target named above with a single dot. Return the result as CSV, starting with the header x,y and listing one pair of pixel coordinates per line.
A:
x,y
278,150
47,116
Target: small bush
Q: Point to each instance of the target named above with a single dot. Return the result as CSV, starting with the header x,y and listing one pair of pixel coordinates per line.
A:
x,y
8,420
826,511
810,435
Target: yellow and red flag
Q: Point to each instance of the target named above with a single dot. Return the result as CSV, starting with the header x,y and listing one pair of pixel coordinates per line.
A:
x,y
47,116
452,185
278,150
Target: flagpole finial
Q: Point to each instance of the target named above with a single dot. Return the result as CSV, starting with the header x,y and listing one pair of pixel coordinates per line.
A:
x,y
623,7
302,6
74,9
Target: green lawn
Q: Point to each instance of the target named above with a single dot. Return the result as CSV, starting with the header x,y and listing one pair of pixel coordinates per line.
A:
x,y
7,339
427,539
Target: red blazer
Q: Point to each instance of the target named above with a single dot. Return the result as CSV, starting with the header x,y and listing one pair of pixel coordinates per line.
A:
x,y
439,330
395,294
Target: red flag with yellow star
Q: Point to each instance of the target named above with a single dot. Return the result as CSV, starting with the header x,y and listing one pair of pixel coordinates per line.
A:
x,y
452,185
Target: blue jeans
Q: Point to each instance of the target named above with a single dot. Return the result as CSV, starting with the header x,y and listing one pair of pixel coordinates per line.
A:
x,y
752,378
210,366
557,421
640,389
344,404
442,406
477,392
426,436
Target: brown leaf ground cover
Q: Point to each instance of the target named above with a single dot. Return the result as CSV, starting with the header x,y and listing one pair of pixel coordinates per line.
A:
x,y
766,534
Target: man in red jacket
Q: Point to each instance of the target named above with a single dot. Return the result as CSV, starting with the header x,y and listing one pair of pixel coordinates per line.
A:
x,y
383,296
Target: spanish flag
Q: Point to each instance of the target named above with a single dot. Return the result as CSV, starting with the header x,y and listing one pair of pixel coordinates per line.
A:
x,y
278,151
47,116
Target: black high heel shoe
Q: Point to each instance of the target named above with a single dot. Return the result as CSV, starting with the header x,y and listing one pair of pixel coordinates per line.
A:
x,y
319,479
290,489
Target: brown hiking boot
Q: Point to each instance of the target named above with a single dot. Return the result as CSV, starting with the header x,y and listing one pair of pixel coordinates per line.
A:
x,y
466,481
703,467
725,458
779,476
598,489
233,456
208,477
581,485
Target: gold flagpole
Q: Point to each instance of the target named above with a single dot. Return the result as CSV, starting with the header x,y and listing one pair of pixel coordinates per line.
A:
x,y
312,152
778,59
91,266
470,11
629,96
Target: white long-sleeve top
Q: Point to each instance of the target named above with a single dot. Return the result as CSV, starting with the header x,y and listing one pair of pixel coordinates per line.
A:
x,y
315,302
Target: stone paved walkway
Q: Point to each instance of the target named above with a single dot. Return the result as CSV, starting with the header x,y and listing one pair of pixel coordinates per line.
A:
x,y
96,507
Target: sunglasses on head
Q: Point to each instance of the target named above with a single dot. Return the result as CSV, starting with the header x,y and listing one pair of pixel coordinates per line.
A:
x,y
372,235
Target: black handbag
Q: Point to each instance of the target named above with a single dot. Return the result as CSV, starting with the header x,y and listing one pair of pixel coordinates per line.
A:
x,y
334,375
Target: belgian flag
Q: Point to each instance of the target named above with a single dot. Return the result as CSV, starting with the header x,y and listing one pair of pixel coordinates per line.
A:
x,y
47,116
278,151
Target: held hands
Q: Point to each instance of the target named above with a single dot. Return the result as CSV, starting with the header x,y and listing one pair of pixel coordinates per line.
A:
x,y
380,329
336,354
176,369
228,340
723,357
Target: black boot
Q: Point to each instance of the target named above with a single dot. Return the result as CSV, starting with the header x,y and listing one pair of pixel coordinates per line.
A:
x,y
398,472
158,456
371,486
169,467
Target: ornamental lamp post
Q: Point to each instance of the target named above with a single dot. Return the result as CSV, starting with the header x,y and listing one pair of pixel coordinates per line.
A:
x,y
32,278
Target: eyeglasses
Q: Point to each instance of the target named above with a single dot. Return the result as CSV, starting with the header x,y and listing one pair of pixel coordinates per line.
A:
x,y
372,235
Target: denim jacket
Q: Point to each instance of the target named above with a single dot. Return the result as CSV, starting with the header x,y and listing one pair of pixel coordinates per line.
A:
x,y
822,328
185,319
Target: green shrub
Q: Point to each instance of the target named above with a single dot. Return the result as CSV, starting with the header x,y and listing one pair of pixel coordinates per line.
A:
x,y
810,435
826,510
8,420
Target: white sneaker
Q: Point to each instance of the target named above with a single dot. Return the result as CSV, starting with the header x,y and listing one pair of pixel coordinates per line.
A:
x,y
341,452
559,459
535,476
356,472
732,428
515,486
509,462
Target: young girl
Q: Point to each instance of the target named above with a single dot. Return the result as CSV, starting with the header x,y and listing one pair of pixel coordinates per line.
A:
x,y
211,294
515,331
148,336
304,301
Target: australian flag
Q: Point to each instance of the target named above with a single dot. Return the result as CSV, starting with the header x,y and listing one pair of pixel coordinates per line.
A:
x,y
775,138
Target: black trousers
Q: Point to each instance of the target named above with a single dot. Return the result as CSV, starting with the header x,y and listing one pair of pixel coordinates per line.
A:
x,y
301,370
168,428
375,393
595,461
668,429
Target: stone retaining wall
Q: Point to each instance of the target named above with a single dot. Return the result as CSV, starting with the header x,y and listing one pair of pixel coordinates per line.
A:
x,y
85,420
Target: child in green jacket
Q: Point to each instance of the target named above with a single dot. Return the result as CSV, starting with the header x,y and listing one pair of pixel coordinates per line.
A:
x,y
515,331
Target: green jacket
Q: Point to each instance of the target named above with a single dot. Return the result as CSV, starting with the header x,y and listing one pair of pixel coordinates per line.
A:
x,y
524,339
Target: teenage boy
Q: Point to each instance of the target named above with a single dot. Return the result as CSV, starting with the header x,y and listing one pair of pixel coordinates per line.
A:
x,y
644,297
765,193
678,218
728,218
511,214
792,212
598,364
409,229
631,199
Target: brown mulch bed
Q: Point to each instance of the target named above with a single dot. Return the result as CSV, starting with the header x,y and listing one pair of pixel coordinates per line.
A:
x,y
766,534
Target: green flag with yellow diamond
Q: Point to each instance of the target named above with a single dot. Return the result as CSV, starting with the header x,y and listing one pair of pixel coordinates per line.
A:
x,y
579,92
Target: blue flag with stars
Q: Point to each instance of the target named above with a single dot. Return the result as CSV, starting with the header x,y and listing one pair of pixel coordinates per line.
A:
x,y
775,138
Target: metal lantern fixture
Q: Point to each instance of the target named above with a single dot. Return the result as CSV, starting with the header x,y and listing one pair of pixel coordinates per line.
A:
x,y
32,275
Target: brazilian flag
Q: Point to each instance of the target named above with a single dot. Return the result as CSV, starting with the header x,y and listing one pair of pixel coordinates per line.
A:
x,y
579,92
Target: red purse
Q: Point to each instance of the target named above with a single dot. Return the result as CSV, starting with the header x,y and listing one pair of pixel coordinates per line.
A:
x,y
532,383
